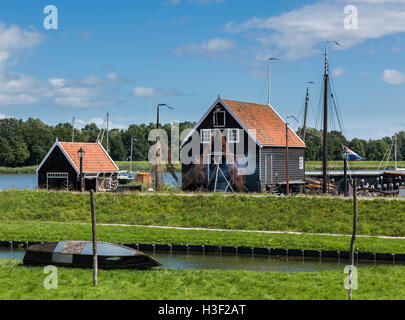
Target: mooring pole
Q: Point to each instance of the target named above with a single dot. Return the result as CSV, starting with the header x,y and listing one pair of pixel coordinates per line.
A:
x,y
345,176
93,225
353,238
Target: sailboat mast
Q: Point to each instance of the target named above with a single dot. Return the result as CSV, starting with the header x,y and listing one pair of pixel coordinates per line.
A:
x,y
396,151
108,129
73,130
304,129
325,124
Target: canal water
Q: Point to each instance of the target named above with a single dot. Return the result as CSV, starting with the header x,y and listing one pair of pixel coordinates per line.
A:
x,y
258,263
30,181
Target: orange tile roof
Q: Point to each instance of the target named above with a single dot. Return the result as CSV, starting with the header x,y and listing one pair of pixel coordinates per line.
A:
x,y
95,159
270,128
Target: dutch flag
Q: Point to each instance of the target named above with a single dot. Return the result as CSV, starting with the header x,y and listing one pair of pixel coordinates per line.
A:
x,y
352,156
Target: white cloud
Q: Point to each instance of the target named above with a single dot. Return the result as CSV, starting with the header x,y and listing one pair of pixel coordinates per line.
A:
x,y
338,72
210,47
17,99
393,76
296,34
13,39
2,116
101,123
21,89
148,92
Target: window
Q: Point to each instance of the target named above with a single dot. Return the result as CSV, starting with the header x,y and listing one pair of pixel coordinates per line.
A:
x,y
301,163
219,118
233,135
206,136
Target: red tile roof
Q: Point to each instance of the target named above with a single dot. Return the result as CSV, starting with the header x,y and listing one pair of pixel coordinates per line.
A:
x,y
270,128
95,159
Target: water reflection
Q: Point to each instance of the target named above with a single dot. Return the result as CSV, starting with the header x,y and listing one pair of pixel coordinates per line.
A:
x,y
258,263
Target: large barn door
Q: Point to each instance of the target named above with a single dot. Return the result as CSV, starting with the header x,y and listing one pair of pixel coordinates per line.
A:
x,y
57,180
269,168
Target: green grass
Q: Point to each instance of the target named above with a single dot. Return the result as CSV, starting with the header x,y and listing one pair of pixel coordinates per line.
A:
x,y
304,214
18,282
140,166
354,165
19,170
51,231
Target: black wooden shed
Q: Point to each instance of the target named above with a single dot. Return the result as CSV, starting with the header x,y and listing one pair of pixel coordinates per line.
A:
x,y
241,146
60,169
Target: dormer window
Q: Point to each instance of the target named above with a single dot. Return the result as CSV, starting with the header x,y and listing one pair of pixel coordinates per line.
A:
x,y
219,118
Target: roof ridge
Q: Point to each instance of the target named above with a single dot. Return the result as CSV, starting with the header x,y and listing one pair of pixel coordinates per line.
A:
x,y
258,104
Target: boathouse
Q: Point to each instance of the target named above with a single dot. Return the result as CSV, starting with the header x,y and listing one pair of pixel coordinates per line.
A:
x,y
60,169
251,136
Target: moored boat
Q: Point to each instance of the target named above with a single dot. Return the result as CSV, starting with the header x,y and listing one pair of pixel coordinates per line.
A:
x,y
80,254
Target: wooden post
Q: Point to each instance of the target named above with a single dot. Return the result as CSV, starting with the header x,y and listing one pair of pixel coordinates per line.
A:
x,y
287,174
353,237
93,225
345,177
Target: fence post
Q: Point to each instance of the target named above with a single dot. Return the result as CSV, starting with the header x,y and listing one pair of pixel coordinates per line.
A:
x,y
353,237
93,225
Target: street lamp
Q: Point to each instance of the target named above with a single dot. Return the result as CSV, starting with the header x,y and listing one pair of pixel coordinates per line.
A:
x,y
286,153
81,154
345,156
158,127
268,82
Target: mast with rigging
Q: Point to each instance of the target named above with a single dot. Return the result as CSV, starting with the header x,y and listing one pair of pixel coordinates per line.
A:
x,y
325,124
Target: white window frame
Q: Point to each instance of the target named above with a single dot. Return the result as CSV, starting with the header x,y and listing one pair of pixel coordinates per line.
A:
x,y
213,119
230,135
301,163
202,136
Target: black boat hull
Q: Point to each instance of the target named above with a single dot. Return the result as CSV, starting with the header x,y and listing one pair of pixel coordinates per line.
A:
x,y
76,254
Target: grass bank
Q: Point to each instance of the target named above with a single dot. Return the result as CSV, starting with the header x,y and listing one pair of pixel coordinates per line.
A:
x,y
19,170
145,166
303,214
140,166
52,231
17,282
354,165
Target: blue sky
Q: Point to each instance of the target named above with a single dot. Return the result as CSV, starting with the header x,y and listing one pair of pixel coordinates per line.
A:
x,y
124,57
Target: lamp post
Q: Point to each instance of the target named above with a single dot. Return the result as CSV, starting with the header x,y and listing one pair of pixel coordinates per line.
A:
x,y
286,155
158,127
345,156
81,154
268,82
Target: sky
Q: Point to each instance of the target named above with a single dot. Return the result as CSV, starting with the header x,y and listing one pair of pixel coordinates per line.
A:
x,y
124,57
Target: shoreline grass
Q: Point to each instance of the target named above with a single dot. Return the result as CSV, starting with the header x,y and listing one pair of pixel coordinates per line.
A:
x,y
309,166
18,170
50,231
354,165
237,212
22,283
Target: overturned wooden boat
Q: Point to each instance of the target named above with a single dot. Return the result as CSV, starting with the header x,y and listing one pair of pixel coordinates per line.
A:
x,y
80,254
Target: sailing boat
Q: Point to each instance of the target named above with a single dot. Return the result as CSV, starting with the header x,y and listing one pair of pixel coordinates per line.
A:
x,y
396,155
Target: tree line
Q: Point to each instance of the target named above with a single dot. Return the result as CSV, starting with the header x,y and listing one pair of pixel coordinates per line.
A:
x,y
371,150
25,143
